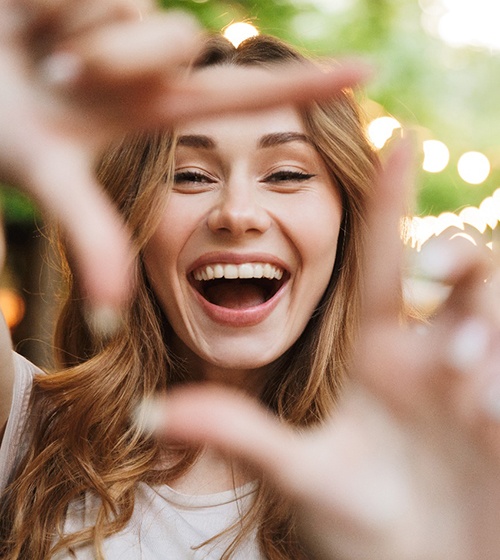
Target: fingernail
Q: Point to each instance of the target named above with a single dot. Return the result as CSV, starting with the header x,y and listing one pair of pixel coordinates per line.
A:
x,y
425,295
103,321
149,416
61,69
437,260
468,345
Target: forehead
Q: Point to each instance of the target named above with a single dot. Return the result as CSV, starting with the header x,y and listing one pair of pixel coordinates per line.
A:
x,y
250,125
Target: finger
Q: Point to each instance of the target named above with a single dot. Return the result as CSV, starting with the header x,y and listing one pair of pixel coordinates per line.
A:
x,y
383,246
386,360
63,182
87,14
228,421
444,359
465,325
123,52
230,88
336,454
458,263
58,19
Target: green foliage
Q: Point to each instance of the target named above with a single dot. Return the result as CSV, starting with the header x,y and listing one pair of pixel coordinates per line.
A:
x,y
18,208
444,93
271,17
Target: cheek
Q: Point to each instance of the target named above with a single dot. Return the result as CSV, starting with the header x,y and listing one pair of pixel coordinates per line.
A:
x,y
176,226
317,229
317,248
161,254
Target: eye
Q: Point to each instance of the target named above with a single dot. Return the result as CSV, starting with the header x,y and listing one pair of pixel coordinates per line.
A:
x,y
190,180
287,176
191,177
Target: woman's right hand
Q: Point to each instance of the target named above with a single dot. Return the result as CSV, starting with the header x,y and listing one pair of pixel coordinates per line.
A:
x,y
70,73
76,75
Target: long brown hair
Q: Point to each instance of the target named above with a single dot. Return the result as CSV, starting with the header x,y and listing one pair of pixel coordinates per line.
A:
x,y
83,438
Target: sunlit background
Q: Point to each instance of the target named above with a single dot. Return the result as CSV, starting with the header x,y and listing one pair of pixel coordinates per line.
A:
x,y
438,75
438,65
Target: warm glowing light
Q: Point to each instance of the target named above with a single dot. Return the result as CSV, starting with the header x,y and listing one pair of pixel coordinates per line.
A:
x,y
424,295
489,209
446,220
12,306
238,32
465,236
420,230
472,216
462,22
416,231
474,167
381,129
436,156
496,201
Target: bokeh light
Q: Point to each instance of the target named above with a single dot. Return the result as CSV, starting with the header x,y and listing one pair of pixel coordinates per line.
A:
x,y
436,156
474,167
490,210
381,129
473,216
420,230
463,22
446,220
238,32
12,306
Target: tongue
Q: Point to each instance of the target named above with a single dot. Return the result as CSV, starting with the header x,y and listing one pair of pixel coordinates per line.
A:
x,y
235,295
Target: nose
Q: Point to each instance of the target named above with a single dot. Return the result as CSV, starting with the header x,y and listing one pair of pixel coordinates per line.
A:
x,y
238,211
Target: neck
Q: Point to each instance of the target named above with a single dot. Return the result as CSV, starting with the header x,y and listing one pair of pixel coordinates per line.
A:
x,y
249,380
210,474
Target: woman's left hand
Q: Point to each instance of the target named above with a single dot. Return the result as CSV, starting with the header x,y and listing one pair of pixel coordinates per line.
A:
x,y
408,465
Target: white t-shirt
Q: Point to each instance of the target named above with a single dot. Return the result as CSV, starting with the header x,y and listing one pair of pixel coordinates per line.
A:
x,y
165,524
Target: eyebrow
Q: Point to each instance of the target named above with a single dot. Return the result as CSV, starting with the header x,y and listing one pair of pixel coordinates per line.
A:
x,y
277,138
267,141
196,141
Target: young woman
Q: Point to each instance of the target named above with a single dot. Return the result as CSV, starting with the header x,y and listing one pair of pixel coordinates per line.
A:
x,y
407,468
247,231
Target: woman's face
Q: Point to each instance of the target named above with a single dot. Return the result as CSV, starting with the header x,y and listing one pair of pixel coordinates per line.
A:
x,y
247,243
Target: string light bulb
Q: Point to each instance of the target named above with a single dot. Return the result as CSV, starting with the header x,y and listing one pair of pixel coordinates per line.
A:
x,y
237,32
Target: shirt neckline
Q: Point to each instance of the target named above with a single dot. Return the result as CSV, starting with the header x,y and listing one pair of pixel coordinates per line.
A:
x,y
205,500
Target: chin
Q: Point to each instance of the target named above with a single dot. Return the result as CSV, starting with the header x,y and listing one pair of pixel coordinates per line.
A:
x,y
239,361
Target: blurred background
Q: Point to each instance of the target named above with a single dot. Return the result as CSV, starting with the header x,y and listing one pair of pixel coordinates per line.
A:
x,y
438,73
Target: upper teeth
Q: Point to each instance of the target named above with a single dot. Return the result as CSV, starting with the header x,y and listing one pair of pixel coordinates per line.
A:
x,y
232,271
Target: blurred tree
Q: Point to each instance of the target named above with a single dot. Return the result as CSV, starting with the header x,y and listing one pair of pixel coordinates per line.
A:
x,y
445,93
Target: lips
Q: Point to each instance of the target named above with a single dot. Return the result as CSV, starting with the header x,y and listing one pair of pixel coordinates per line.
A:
x,y
238,293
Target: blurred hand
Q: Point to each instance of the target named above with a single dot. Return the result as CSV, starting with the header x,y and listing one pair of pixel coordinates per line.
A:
x,y
407,468
76,75
68,80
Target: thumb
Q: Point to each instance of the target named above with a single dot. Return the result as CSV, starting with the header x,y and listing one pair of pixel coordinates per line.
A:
x,y
229,421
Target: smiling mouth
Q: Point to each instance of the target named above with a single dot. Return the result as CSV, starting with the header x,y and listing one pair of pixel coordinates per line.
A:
x,y
240,286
